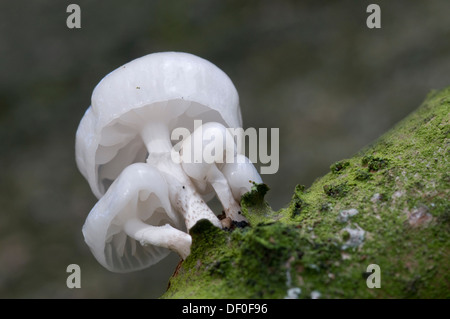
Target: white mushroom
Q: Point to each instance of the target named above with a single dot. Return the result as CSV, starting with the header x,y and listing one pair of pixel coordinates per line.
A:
x,y
241,174
217,146
133,111
133,225
229,173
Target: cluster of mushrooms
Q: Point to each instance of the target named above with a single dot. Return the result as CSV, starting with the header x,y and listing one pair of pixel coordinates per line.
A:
x,y
147,202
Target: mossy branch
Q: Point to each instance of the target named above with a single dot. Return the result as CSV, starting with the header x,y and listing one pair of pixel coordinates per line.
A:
x,y
388,205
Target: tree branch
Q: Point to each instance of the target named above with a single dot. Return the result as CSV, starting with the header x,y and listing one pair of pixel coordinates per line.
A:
x,y
387,205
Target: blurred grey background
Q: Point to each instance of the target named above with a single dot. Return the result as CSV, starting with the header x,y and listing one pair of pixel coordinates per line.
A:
x,y
311,68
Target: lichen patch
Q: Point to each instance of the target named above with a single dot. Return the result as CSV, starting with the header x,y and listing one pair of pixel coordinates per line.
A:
x,y
418,216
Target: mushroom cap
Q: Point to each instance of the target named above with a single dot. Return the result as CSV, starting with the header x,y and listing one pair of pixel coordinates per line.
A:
x,y
171,87
217,145
241,174
140,192
209,134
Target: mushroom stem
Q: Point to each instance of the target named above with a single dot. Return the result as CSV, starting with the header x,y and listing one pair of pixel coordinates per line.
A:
x,y
163,236
220,184
156,138
183,195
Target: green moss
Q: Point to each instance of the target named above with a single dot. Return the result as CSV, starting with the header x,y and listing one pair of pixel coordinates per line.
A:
x,y
361,175
254,206
345,236
338,167
243,257
400,187
374,163
297,204
325,207
336,191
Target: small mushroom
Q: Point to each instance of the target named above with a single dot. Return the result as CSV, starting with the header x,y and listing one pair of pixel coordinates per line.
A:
x,y
241,174
133,111
230,174
133,225
216,145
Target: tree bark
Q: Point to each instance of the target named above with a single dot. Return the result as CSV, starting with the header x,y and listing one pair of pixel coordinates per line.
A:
x,y
386,206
